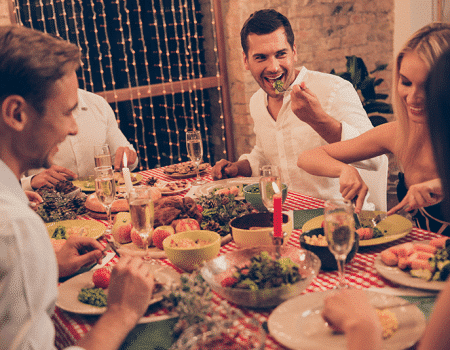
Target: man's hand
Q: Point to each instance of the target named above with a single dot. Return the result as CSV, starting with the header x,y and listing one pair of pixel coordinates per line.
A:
x,y
34,198
118,158
131,287
76,253
51,176
420,195
224,169
307,108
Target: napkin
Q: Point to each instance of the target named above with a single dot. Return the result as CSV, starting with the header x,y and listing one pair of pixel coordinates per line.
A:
x,y
191,192
302,216
153,335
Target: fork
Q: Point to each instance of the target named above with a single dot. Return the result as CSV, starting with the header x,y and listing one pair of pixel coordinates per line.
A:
x,y
380,217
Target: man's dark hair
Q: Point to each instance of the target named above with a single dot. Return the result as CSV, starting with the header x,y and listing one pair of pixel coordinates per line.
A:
x,y
265,22
31,62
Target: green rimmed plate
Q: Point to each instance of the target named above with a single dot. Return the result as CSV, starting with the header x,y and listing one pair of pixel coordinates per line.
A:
x,y
394,227
88,184
94,228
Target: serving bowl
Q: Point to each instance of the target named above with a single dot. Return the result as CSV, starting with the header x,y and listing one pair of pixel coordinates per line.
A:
x,y
245,334
326,257
222,267
255,229
253,195
188,257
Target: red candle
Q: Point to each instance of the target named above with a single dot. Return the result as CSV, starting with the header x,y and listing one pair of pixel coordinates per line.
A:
x,y
277,216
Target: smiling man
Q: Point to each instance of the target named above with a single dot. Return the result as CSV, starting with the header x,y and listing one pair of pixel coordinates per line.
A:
x,y
38,94
320,108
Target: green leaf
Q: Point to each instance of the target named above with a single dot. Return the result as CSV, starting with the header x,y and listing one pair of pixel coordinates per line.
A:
x,y
378,82
380,107
380,67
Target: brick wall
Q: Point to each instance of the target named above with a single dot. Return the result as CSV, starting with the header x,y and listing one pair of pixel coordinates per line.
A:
x,y
325,30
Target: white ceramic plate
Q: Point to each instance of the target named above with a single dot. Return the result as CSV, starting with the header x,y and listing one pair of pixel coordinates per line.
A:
x,y
69,290
94,228
396,227
396,275
224,183
289,326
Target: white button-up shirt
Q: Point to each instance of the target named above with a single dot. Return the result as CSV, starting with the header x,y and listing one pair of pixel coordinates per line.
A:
x,y
280,142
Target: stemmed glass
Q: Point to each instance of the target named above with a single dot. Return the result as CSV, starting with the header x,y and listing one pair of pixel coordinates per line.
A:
x,y
339,227
195,152
269,184
105,189
102,155
142,213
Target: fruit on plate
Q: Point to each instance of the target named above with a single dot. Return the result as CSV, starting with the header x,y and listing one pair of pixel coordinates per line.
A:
x,y
160,233
137,239
123,233
121,229
187,224
101,278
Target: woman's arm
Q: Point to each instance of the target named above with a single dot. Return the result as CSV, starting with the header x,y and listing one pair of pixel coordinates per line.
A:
x,y
332,160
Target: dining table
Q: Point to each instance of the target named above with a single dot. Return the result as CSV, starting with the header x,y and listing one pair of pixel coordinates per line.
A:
x,y
359,273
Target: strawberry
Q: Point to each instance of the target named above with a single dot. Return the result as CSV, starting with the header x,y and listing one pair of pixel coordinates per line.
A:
x,y
101,278
200,208
228,281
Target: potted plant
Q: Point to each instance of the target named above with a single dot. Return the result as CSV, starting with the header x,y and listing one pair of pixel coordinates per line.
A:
x,y
365,85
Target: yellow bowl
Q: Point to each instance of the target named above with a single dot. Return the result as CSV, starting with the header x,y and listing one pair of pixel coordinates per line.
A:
x,y
189,258
244,237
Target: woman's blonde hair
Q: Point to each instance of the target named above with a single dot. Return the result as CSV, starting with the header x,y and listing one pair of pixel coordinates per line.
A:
x,y
428,43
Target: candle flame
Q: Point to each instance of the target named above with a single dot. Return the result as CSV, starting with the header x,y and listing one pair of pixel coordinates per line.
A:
x,y
125,163
276,189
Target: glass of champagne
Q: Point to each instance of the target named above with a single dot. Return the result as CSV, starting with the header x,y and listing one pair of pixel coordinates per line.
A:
x,y
339,227
142,213
105,189
269,184
102,155
195,152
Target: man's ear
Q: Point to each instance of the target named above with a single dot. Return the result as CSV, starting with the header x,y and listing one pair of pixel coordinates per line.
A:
x,y
245,60
13,109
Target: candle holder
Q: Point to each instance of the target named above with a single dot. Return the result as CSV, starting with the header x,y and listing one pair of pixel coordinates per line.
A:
x,y
278,242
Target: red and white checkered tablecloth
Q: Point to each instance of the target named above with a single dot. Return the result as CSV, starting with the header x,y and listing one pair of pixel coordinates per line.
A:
x,y
360,272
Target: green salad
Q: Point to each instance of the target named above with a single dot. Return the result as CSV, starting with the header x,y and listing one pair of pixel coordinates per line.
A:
x,y
264,272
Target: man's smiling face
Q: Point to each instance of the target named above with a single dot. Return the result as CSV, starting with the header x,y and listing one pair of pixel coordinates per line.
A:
x,y
271,58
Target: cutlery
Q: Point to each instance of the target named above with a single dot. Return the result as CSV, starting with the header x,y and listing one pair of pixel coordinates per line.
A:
x,y
317,310
111,244
380,217
356,217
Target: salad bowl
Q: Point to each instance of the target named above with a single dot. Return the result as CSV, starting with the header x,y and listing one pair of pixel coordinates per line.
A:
x,y
221,269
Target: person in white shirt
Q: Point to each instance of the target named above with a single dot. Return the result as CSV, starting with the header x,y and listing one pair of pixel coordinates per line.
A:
x,y
97,125
320,109
38,94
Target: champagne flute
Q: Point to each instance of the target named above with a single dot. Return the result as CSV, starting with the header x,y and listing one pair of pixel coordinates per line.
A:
x,y
142,213
195,152
269,184
102,155
339,227
105,189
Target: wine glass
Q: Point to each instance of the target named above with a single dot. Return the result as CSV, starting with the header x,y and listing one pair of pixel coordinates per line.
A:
x,y
142,213
195,152
269,184
105,189
102,155
339,227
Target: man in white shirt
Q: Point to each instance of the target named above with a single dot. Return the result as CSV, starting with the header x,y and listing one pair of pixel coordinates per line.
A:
x,y
97,125
321,108
38,93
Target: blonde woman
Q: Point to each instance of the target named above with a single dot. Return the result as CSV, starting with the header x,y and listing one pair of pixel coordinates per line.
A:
x,y
407,138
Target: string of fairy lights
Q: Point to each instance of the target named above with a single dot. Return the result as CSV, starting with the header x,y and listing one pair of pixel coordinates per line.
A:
x,y
128,44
